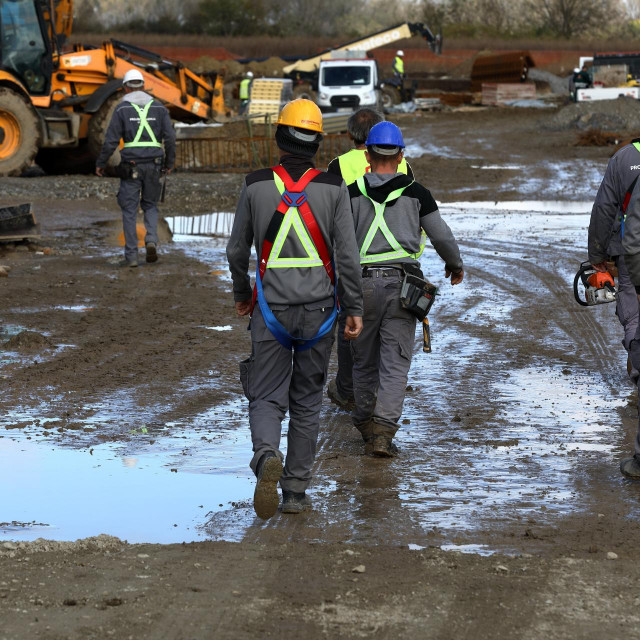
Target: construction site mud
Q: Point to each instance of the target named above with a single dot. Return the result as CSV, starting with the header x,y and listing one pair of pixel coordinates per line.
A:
x,y
504,516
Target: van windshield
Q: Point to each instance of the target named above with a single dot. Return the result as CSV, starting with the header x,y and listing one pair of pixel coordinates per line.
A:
x,y
346,76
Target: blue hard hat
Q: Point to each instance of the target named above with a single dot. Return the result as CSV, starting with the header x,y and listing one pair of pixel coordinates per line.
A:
x,y
385,133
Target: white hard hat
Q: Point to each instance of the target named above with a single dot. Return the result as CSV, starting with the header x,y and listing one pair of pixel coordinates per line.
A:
x,y
576,70
249,74
134,76
399,52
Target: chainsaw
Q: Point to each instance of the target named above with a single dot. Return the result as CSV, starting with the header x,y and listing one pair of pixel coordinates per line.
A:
x,y
598,287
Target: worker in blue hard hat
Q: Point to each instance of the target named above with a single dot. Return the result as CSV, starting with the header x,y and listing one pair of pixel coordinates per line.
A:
x,y
350,166
390,212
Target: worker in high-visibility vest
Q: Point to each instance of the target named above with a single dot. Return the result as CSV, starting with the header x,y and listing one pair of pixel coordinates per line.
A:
x,y
390,212
300,221
398,65
350,166
149,150
245,91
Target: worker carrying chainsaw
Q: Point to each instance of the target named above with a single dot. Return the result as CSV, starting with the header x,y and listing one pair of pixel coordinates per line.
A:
x,y
350,166
149,151
605,235
390,211
608,232
300,221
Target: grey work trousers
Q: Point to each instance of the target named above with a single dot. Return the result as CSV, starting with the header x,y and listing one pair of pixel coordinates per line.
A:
x,y
627,308
382,355
344,377
276,379
141,191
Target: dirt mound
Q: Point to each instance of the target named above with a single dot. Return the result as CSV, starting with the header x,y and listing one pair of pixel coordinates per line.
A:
x,y
27,341
608,115
597,138
100,543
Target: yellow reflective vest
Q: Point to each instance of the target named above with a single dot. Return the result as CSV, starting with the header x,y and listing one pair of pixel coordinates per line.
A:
x,y
354,165
398,65
243,93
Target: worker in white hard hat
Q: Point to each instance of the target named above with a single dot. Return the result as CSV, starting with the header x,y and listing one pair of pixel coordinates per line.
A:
x,y
398,73
398,64
245,91
149,150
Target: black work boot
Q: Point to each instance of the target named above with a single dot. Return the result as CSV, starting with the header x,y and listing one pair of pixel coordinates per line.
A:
x,y
383,447
344,402
295,502
630,468
265,497
152,253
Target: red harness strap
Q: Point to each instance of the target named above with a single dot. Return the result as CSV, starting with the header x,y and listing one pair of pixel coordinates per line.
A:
x,y
294,196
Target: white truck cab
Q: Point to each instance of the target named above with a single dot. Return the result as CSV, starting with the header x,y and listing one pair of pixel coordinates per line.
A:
x,y
348,83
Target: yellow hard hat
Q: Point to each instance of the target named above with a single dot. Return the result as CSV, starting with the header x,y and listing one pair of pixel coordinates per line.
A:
x,y
301,113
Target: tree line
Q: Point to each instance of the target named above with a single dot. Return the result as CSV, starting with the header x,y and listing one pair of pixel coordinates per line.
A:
x,y
352,18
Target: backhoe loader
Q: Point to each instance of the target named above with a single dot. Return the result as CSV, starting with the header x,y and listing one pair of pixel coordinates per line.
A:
x,y
59,103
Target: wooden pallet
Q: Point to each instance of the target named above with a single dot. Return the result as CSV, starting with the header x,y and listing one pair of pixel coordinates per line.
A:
x,y
501,93
268,96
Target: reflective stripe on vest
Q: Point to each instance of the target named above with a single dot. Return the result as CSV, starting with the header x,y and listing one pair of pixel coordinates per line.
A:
x,y
292,219
380,223
294,197
243,93
353,165
144,126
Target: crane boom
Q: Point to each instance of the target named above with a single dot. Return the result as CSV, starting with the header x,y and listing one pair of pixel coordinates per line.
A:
x,y
369,42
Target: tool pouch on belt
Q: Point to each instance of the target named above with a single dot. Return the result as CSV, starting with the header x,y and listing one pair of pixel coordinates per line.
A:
x,y
127,170
417,295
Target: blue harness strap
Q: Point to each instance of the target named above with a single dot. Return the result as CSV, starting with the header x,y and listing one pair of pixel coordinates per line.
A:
x,y
294,196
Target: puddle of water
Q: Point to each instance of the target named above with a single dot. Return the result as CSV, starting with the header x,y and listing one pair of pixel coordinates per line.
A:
x,y
498,167
161,486
227,327
210,224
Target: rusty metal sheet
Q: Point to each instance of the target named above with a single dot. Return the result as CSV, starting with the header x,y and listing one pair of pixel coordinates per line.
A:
x,y
511,66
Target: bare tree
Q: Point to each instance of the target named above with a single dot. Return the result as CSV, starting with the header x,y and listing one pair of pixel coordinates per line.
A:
x,y
569,17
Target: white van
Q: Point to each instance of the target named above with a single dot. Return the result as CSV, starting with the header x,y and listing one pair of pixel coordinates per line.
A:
x,y
347,84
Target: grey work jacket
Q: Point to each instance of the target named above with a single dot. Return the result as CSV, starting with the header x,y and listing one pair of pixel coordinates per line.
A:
x,y
329,201
604,226
405,216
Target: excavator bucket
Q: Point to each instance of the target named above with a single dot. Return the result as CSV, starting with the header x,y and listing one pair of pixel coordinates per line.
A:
x,y
18,223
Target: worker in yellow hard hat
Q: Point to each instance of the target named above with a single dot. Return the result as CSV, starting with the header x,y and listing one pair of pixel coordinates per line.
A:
x,y
300,222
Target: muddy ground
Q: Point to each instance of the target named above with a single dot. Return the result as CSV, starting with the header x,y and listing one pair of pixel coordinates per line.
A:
x,y
504,516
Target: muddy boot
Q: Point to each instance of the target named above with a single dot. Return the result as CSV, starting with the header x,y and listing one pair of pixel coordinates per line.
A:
x,y
295,502
343,402
630,468
383,447
152,253
265,497
128,263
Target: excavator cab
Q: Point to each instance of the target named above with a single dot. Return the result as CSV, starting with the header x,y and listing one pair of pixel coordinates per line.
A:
x,y
25,49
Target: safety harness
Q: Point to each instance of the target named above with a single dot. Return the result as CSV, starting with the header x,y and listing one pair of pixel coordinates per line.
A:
x,y
627,198
144,126
292,210
379,223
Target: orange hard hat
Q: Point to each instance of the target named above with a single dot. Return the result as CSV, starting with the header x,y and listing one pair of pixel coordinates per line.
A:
x,y
302,113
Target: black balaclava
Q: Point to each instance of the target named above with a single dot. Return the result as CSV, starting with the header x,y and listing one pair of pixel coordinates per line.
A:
x,y
298,142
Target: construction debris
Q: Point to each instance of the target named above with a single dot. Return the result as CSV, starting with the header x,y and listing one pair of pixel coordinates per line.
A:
x,y
501,94
597,138
18,223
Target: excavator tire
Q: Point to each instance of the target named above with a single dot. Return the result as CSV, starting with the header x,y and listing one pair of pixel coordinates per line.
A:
x,y
98,126
19,133
389,96
304,91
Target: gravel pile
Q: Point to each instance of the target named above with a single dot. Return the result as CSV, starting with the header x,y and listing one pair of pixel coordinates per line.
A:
x,y
609,115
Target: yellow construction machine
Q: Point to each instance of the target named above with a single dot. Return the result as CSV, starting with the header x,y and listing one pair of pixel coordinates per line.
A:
x,y
57,103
